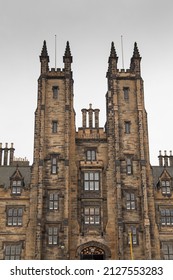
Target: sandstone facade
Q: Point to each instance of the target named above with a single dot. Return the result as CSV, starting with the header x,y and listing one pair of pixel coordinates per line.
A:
x,y
90,193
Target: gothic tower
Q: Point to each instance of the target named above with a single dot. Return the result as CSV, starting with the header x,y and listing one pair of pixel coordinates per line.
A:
x,y
91,190
130,194
54,148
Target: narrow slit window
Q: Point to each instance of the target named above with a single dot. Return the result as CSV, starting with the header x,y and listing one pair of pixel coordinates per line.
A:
x,y
129,166
53,201
126,93
54,126
54,165
127,127
132,235
55,92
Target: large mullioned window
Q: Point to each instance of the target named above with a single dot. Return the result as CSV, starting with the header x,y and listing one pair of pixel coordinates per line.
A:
x,y
91,215
91,180
14,216
167,250
13,251
166,217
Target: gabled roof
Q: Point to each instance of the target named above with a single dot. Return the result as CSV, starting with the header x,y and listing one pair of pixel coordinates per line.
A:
x,y
159,171
8,172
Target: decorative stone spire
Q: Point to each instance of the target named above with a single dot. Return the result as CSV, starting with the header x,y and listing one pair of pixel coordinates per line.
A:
x,y
44,59
136,53
113,52
44,52
67,58
135,61
113,59
67,50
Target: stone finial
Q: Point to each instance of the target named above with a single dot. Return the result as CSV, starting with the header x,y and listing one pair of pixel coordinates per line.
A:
x,y
136,53
113,51
44,52
113,55
67,50
113,59
44,59
135,61
67,58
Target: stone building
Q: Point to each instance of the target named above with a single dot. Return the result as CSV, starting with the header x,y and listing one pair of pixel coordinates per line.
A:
x,y
91,193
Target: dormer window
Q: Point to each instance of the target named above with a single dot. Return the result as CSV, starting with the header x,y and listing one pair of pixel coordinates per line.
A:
x,y
166,188
16,187
16,182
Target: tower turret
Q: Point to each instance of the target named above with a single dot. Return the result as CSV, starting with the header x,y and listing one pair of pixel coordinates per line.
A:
x,y
135,60
44,59
67,58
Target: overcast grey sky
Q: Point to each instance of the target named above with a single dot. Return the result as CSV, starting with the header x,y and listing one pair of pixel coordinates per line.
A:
x,y
90,26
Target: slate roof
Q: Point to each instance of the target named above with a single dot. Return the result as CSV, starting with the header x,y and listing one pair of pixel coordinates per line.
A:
x,y
7,171
157,171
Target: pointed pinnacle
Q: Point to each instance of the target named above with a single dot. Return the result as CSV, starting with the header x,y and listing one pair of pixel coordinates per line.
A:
x,y
67,50
44,52
136,53
113,51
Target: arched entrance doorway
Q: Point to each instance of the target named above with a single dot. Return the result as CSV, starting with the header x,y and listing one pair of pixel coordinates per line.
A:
x,y
92,253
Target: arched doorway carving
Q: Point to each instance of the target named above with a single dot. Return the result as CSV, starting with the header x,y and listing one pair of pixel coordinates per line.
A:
x,y
93,250
92,253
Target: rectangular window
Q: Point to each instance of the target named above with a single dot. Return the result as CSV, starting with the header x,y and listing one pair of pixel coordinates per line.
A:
x,y
13,251
127,127
55,92
54,164
91,155
130,201
167,249
53,201
92,215
91,181
16,187
132,235
14,216
166,217
54,126
126,93
166,188
129,166
53,235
